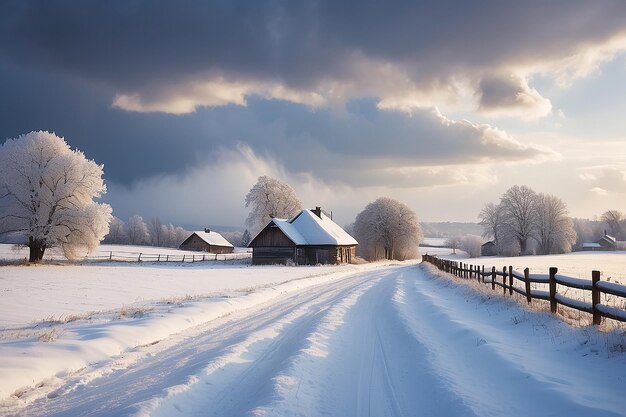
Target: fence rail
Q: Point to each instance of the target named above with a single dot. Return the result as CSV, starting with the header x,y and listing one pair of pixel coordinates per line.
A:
x,y
597,287
112,256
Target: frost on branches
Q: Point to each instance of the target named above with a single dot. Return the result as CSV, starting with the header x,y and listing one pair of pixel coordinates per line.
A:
x,y
388,229
47,192
267,199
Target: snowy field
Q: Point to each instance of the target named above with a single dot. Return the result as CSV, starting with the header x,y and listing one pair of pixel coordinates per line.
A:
x,y
129,253
612,265
378,340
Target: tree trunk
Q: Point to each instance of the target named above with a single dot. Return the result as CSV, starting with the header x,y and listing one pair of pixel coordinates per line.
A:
x,y
37,248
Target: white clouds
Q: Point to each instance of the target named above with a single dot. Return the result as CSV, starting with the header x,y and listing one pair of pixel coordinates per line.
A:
x,y
186,97
511,96
605,179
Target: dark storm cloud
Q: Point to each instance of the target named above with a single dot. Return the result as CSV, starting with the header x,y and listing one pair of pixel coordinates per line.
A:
x,y
135,46
63,63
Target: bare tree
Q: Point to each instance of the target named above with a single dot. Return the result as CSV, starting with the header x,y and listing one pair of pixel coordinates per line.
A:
x,y
137,231
492,220
518,209
614,219
453,242
267,199
47,193
554,229
388,229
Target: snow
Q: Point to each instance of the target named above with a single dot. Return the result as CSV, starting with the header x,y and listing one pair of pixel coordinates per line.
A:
x,y
213,238
391,340
306,228
575,264
129,253
584,284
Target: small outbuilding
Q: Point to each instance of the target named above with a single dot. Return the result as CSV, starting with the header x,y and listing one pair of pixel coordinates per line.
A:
x,y
605,243
488,249
207,241
309,238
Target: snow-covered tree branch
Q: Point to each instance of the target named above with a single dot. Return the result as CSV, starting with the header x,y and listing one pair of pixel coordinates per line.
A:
x,y
387,229
267,199
47,192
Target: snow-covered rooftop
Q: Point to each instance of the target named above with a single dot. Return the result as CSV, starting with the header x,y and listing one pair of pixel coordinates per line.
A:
x,y
306,228
213,238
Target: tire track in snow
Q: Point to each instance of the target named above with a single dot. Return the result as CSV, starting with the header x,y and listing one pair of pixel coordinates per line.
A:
x,y
178,363
371,366
497,367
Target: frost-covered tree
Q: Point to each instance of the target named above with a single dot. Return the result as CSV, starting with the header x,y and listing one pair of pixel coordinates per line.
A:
x,y
614,220
453,242
492,220
554,229
117,232
267,199
472,245
155,230
137,231
388,229
518,209
246,238
47,193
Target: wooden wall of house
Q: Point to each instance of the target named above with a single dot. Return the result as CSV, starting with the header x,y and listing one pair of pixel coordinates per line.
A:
x,y
271,236
273,255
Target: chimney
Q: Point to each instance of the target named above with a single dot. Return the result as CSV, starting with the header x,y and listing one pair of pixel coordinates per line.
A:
x,y
317,211
207,230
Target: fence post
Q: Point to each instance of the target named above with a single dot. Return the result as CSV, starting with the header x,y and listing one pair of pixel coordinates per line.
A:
x,y
493,278
183,258
595,297
159,258
482,275
527,284
167,258
110,256
510,280
504,274
203,258
139,259
553,272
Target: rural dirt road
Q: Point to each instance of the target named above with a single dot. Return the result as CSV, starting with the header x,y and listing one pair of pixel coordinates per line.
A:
x,y
393,342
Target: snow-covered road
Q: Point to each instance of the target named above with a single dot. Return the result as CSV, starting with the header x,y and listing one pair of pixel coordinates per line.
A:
x,y
391,342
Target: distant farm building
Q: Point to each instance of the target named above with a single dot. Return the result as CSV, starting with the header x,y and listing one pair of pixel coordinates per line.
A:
x,y
207,241
488,249
605,243
308,238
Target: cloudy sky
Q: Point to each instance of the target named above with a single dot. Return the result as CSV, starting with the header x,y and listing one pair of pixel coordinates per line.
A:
x,y
443,105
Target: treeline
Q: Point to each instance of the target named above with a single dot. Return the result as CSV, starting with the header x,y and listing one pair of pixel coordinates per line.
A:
x,y
525,222
154,232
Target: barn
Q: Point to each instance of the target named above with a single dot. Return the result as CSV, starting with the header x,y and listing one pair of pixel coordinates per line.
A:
x,y
488,249
309,238
605,243
207,241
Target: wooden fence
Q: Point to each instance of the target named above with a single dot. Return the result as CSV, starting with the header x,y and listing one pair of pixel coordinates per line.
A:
x,y
120,256
507,276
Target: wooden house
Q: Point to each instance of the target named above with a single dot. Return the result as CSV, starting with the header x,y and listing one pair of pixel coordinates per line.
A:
x,y
488,249
308,238
605,243
207,241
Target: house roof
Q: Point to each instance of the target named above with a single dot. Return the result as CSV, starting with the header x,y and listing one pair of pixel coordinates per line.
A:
x,y
213,238
591,245
306,228
608,238
489,243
